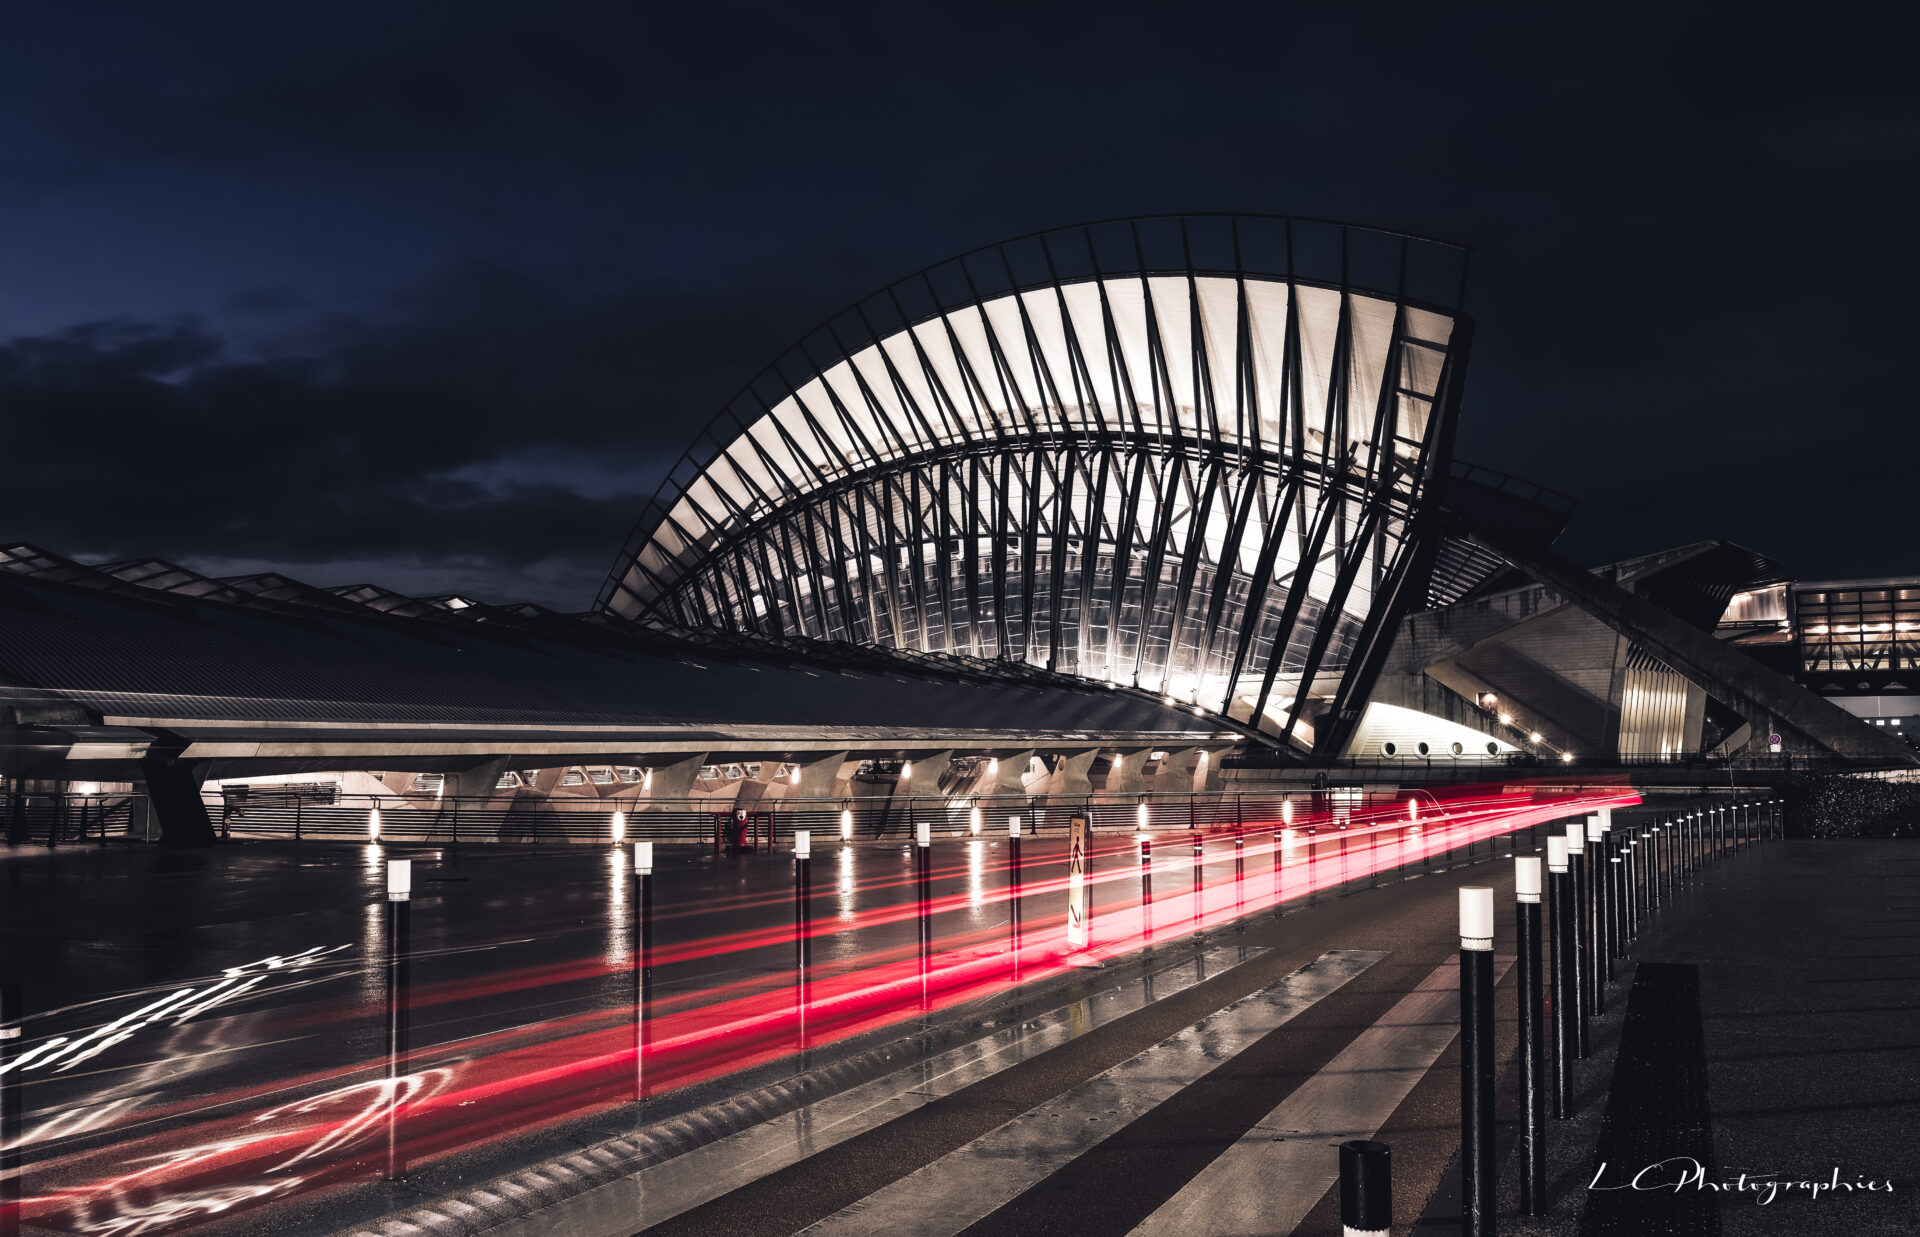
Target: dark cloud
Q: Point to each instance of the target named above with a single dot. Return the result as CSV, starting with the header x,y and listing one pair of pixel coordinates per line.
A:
x,y
491,417
469,276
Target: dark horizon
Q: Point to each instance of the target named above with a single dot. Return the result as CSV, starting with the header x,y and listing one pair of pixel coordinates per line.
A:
x,y
432,297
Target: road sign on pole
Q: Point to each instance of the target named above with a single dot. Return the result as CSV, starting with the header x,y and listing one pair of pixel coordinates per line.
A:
x,y
1079,896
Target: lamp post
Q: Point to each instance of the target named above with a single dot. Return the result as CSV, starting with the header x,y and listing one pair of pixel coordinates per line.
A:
x,y
802,928
1477,1174
1533,1037
1013,890
923,850
1146,886
642,965
1566,995
11,1016
399,978
1583,944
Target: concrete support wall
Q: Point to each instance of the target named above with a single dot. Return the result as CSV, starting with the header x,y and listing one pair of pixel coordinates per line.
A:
x,y
173,788
928,769
671,783
819,777
1012,778
1128,773
1176,774
1071,778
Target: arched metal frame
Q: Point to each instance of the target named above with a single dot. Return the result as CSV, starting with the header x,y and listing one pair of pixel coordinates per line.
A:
x,y
1106,451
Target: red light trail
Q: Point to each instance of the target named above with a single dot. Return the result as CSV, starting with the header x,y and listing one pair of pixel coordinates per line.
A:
x,y
146,1166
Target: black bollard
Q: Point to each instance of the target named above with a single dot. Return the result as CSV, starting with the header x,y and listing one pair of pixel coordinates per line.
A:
x,y
1643,871
1279,872
399,978
1608,922
11,1017
923,854
1146,887
1478,1175
1197,890
1366,1189
1601,844
1566,999
1595,928
802,930
642,946
1239,870
1013,891
1533,1036
1616,885
1582,942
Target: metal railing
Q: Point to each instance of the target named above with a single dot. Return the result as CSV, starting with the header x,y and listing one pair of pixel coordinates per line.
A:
x,y
68,819
716,822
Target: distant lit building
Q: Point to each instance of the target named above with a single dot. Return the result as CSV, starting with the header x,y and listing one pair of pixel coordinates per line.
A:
x,y
1856,642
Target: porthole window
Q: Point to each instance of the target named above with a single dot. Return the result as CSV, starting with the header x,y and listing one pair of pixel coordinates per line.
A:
x,y
1493,749
1425,750
1390,749
1459,749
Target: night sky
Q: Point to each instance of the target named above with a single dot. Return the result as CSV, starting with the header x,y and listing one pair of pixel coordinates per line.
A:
x,y
432,294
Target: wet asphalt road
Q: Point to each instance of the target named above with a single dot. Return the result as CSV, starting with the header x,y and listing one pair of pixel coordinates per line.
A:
x,y
174,996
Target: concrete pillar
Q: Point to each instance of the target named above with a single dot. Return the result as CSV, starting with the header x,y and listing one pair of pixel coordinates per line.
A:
x,y
671,785
1128,774
1071,778
928,769
478,782
173,791
818,776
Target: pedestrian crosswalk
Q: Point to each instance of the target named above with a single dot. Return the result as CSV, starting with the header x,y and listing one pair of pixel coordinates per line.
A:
x,y
952,1192
1258,1178
1271,1178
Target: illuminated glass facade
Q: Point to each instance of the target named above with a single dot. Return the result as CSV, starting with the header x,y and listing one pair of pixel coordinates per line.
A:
x,y
1859,627
1194,456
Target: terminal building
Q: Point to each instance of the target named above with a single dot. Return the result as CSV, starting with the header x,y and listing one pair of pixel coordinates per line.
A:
x,y
1160,505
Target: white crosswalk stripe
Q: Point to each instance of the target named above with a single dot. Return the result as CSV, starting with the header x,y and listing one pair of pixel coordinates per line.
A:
x,y
947,1195
1271,1178
661,1191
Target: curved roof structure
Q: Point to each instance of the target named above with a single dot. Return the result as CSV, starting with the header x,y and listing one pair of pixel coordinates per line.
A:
x,y
1185,455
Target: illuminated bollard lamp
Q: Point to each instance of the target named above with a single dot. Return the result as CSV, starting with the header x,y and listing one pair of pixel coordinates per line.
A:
x,y
399,999
1566,986
1533,1036
1478,1173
